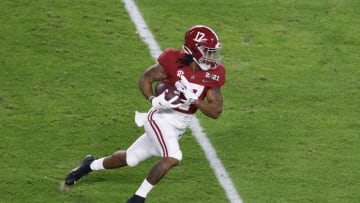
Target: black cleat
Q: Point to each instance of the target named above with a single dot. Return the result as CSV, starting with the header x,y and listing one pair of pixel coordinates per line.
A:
x,y
136,199
80,171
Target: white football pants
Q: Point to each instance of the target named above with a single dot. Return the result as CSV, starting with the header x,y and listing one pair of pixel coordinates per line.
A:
x,y
163,130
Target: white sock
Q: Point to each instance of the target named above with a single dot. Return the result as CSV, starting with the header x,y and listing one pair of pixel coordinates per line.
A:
x,y
144,189
97,164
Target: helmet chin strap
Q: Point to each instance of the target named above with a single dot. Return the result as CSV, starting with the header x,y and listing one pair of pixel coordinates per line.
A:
x,y
203,66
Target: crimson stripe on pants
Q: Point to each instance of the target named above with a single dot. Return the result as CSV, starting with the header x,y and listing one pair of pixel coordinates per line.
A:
x,y
158,133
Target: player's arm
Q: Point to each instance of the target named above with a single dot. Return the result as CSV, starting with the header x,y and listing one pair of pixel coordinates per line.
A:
x,y
214,104
153,73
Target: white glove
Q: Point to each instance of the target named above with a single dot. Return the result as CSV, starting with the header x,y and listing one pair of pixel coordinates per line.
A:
x,y
160,102
183,83
190,96
184,86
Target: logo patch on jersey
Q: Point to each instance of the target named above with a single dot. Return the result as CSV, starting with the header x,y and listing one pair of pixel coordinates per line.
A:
x,y
212,76
180,73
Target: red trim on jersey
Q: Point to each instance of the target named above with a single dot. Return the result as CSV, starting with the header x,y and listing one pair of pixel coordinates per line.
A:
x,y
158,133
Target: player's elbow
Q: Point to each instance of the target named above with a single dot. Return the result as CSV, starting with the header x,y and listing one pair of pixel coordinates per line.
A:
x,y
211,109
142,81
216,114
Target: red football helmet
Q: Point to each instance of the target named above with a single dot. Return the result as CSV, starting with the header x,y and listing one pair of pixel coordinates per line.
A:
x,y
203,44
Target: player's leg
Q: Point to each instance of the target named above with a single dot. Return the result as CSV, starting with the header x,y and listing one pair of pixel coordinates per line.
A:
x,y
115,160
140,150
165,138
160,168
155,175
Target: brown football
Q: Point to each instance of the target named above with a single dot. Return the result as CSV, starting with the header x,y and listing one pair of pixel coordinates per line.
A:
x,y
172,91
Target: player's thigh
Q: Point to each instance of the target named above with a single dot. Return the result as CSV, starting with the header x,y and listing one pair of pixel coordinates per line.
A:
x,y
142,149
165,137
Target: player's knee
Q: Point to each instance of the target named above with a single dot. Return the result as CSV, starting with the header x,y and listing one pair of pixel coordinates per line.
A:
x,y
177,155
132,159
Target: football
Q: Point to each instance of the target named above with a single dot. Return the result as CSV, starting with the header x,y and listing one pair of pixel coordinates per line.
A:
x,y
172,91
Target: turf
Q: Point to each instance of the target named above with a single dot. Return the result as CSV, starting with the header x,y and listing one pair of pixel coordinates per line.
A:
x,y
288,132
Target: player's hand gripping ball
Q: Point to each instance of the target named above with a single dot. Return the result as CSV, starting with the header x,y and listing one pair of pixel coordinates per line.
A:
x,y
171,91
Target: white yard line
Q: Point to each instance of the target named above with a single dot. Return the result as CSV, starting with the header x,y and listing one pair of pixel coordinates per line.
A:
x,y
215,163
142,29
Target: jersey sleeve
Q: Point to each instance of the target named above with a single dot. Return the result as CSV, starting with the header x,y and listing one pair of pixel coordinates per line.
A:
x,y
216,77
166,60
222,74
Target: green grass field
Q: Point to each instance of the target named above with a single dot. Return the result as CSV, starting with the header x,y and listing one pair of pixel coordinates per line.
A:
x,y
290,127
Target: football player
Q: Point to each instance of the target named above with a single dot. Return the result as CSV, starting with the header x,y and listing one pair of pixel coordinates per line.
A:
x,y
197,73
